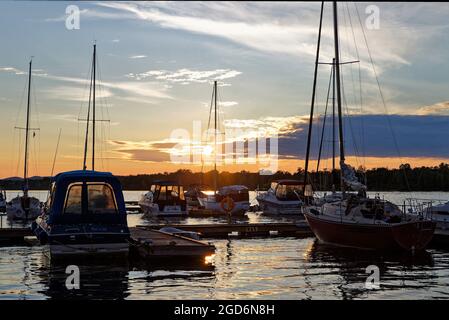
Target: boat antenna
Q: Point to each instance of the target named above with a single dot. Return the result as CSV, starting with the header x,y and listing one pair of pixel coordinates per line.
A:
x,y
309,134
337,75
56,153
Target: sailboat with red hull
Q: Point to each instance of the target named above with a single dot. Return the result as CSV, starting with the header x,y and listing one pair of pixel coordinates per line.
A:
x,y
353,219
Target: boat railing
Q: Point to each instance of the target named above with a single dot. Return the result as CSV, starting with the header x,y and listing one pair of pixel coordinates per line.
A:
x,y
421,207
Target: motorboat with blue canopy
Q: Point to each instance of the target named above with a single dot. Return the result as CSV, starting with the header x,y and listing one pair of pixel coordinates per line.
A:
x,y
84,214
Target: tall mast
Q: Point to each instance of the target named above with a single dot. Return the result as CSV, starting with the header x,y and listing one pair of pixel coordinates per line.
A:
x,y
86,139
309,135
93,107
337,74
27,131
333,115
215,142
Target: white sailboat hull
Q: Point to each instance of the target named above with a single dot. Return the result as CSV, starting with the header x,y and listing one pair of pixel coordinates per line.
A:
x,y
271,207
15,211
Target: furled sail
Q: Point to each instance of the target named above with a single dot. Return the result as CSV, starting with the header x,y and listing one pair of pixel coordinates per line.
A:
x,y
350,179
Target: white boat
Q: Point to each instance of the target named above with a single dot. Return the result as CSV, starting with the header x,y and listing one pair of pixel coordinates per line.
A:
x,y
233,199
439,213
282,198
25,207
165,199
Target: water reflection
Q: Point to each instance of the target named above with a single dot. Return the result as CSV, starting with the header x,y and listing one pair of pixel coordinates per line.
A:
x,y
345,269
115,279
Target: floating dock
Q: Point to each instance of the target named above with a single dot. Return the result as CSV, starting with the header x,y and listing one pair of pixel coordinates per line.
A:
x,y
132,207
149,243
244,230
205,213
14,236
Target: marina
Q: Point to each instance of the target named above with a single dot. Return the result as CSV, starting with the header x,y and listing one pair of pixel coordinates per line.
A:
x,y
224,151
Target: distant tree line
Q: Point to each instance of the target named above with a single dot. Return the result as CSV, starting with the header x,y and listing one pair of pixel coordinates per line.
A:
x,y
404,178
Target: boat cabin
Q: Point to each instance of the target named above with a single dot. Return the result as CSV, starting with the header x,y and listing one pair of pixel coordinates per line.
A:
x,y
290,190
86,197
237,193
168,193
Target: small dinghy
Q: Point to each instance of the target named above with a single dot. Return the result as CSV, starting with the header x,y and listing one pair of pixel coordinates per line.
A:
x,y
85,214
182,233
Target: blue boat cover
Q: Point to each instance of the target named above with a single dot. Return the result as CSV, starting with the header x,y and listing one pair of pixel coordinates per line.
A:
x,y
63,180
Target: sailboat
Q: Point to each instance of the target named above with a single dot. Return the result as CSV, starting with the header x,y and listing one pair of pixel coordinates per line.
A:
x,y
24,207
231,199
354,219
85,212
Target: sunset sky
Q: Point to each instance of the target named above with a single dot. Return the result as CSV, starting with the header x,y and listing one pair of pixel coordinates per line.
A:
x,y
158,60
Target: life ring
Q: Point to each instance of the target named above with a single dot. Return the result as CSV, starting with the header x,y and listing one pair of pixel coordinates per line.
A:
x,y
227,204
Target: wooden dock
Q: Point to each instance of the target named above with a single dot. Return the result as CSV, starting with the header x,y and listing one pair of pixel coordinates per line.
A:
x,y
145,243
132,207
14,236
149,243
244,230
204,213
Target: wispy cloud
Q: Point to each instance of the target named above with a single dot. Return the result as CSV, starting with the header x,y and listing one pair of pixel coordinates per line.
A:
x,y
289,28
90,14
141,89
141,56
12,70
441,108
228,103
72,93
186,76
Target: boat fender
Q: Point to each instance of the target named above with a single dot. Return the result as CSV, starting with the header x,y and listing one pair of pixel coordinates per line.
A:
x,y
227,204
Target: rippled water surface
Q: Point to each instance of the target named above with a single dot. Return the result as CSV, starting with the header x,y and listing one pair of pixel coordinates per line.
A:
x,y
263,268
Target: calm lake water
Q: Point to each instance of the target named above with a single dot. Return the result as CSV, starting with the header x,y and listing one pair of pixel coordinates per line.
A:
x,y
269,268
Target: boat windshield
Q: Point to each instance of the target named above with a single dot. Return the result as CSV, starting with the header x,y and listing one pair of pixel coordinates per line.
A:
x,y
288,192
100,199
168,193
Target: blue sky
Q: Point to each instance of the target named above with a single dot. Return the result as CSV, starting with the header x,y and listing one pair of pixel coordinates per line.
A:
x,y
158,60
